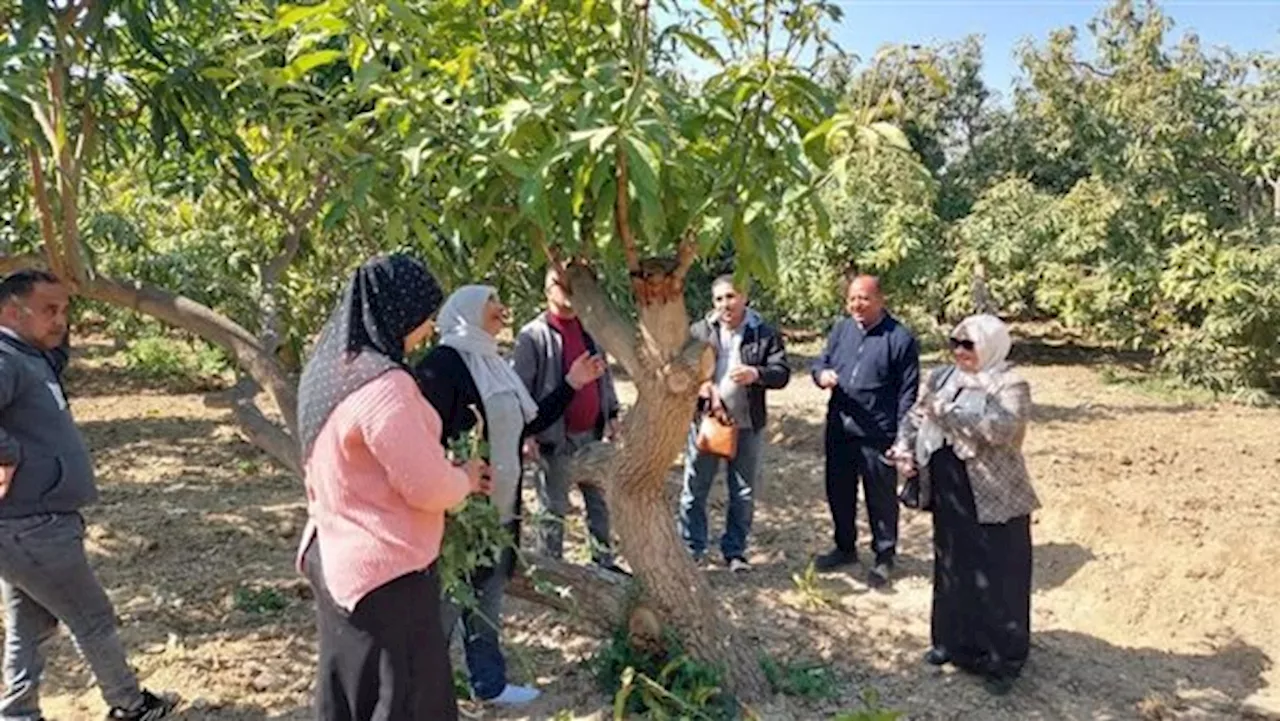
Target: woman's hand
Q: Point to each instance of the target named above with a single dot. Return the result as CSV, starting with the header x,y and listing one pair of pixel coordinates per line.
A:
x,y
585,369
477,471
903,460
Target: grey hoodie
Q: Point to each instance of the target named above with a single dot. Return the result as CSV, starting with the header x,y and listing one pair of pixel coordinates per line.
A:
x,y
38,435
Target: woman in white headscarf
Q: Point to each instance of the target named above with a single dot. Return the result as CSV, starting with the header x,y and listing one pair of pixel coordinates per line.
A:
x,y
463,372
964,438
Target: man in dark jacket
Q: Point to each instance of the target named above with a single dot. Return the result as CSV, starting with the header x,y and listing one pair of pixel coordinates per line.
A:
x,y
750,357
46,477
545,348
871,365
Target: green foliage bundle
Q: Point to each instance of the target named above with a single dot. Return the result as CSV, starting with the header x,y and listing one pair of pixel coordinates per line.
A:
x,y
474,536
661,683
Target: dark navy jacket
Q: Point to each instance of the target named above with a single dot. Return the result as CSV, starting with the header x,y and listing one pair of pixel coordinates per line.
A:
x,y
879,373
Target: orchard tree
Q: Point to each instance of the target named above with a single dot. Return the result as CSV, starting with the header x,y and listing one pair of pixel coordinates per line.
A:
x,y
570,132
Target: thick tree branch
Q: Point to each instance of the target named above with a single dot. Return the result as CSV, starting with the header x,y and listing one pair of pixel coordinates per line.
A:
x,y
606,323
686,254
296,225
622,214
12,263
592,596
206,323
48,232
260,430
203,321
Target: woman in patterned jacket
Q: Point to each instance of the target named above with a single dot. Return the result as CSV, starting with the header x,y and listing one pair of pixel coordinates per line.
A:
x,y
964,436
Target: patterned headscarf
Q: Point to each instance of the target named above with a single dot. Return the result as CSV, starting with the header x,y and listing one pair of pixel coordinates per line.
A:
x,y
386,299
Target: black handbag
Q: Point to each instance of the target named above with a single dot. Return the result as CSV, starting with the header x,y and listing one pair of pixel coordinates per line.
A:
x,y
915,494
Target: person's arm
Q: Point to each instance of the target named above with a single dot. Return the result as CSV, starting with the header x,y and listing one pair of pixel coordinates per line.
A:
x,y
10,449
402,431
551,409
1002,418
440,390
775,373
909,377
826,361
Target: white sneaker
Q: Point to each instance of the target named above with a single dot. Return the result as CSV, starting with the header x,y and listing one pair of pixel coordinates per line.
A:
x,y
515,696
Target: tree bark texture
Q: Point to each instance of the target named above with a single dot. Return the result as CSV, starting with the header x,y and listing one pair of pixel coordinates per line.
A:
x,y
670,371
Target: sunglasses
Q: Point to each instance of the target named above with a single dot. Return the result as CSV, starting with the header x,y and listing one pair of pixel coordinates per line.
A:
x,y
957,343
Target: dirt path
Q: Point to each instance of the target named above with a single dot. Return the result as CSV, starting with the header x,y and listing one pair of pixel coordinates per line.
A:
x,y
1157,590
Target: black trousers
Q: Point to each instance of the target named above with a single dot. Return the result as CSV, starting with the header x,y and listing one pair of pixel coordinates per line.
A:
x,y
848,460
981,577
387,660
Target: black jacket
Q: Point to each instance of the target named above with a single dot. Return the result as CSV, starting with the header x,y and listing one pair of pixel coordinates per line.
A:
x,y
762,349
879,372
446,382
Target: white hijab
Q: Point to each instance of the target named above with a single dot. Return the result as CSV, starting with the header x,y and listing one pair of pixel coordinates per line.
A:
x,y
991,343
462,328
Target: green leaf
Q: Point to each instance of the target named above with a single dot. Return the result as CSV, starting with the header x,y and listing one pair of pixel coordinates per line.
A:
x,y
307,62
699,46
533,201
891,134
336,213
289,16
595,138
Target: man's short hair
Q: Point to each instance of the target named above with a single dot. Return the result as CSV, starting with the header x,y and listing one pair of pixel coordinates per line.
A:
x,y
19,284
729,280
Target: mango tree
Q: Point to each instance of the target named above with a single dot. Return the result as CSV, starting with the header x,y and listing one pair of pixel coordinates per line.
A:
x,y
572,133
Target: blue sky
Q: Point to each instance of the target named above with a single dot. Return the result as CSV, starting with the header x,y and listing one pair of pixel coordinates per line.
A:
x,y
868,24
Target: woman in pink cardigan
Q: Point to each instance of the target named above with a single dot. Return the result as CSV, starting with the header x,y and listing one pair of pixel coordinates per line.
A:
x,y
378,483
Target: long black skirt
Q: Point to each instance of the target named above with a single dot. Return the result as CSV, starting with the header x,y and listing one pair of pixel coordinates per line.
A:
x,y
387,660
981,578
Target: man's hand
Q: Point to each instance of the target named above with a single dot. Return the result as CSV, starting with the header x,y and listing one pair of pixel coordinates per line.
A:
x,y
744,375
529,451
585,369
828,379
6,477
613,430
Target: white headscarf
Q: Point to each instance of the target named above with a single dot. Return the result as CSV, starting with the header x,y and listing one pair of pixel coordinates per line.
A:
x,y
991,343
462,328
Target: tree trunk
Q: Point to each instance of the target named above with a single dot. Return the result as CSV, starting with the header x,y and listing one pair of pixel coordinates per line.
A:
x,y
669,371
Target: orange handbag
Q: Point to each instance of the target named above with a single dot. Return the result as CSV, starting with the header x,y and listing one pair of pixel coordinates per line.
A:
x,y
717,435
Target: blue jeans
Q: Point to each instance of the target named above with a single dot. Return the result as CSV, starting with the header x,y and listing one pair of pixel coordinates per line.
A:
x,y
45,578
483,628
699,473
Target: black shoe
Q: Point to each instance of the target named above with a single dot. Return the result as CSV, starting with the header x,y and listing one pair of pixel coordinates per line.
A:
x,y
834,559
153,708
878,576
997,685
937,657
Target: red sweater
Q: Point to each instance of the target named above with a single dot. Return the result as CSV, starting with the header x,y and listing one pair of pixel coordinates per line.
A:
x,y
583,412
378,484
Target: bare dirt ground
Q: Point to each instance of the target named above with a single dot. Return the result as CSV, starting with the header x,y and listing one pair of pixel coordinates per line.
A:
x,y
1157,591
